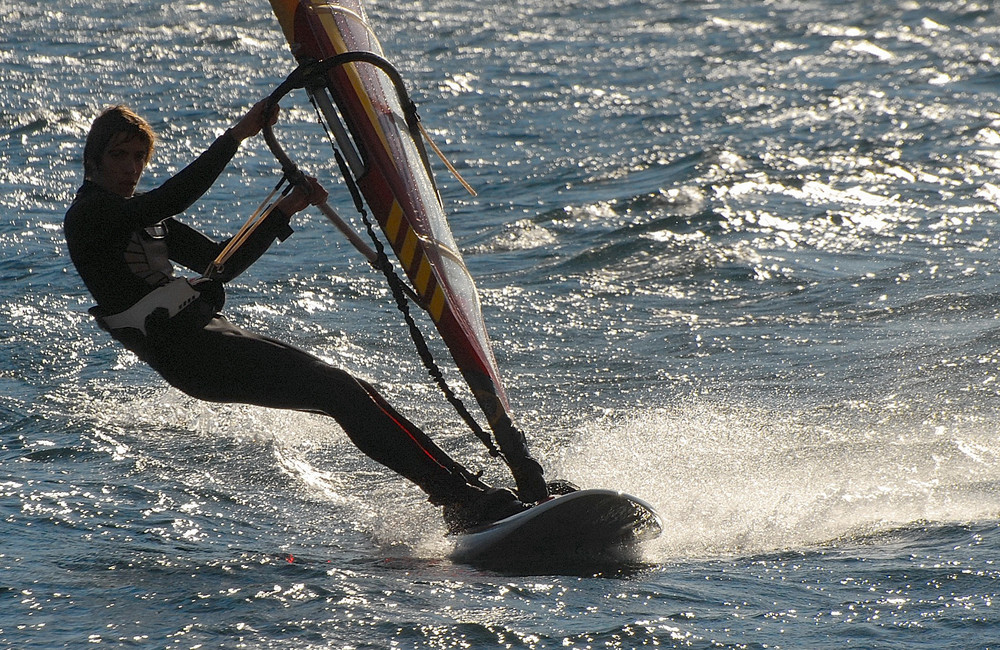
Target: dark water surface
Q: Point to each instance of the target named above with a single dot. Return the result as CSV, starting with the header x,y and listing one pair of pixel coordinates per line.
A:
x,y
738,258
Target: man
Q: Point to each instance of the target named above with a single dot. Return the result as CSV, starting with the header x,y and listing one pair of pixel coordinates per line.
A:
x,y
122,244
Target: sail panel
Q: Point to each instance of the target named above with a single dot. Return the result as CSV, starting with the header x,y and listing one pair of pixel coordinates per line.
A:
x,y
398,187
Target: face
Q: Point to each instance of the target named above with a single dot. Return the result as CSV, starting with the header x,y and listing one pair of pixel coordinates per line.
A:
x,y
122,164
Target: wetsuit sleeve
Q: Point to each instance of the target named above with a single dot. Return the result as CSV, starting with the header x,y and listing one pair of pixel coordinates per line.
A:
x,y
189,247
275,226
194,250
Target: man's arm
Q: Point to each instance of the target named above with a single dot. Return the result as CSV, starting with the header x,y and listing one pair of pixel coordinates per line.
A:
x,y
195,251
179,192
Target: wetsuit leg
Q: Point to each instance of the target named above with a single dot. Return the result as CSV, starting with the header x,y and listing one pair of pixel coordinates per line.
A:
x,y
223,363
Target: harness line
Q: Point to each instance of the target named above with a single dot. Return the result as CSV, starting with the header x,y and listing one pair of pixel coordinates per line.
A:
x,y
259,215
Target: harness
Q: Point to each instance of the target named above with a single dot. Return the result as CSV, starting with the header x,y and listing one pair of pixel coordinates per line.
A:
x,y
173,296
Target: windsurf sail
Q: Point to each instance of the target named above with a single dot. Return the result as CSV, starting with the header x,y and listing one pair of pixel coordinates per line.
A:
x,y
365,106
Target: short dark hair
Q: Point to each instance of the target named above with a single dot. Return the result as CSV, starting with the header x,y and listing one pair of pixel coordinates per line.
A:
x,y
111,122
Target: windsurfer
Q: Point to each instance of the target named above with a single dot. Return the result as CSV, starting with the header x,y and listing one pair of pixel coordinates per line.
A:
x,y
122,244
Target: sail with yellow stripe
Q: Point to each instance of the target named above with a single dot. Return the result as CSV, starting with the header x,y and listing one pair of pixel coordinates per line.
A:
x,y
389,165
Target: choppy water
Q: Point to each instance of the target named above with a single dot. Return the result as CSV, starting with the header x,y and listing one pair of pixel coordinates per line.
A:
x,y
738,258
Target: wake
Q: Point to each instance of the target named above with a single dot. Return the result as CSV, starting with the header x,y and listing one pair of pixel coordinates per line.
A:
x,y
728,480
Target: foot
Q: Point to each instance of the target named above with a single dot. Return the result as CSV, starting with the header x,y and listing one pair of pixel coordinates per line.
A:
x,y
491,506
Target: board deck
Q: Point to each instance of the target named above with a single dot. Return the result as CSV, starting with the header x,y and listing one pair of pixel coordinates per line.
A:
x,y
583,530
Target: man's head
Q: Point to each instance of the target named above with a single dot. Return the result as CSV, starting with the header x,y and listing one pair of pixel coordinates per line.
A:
x,y
119,145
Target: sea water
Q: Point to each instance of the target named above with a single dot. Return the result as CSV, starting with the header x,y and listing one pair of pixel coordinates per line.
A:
x,y
737,258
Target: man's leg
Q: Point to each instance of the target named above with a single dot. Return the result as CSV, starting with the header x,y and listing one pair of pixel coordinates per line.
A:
x,y
223,363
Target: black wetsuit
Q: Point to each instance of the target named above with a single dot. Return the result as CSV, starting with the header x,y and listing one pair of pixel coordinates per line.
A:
x,y
122,248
